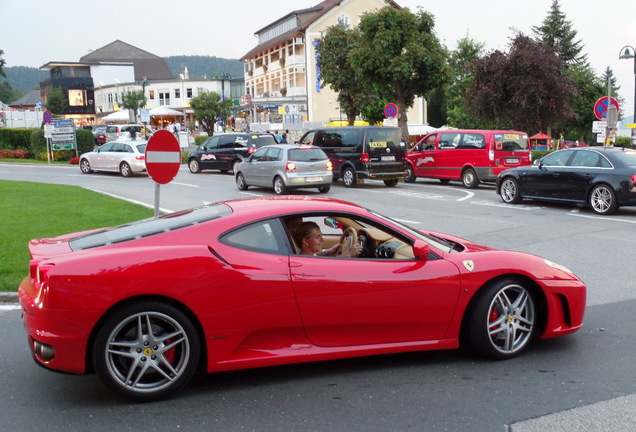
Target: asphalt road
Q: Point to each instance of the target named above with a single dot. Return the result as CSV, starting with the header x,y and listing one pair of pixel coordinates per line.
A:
x,y
584,381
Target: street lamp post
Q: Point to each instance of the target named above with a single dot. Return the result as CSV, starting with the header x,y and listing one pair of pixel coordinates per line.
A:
x,y
628,52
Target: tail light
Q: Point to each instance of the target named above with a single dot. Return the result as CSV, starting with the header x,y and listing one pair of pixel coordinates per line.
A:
x,y
364,157
140,157
40,279
251,150
491,155
290,167
329,166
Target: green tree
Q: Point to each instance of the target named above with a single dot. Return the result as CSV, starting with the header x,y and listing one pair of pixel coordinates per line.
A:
x,y
399,52
133,100
7,93
2,64
524,89
208,107
56,101
461,60
337,70
556,32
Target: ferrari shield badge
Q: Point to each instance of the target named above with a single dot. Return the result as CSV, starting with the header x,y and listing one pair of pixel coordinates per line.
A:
x,y
469,264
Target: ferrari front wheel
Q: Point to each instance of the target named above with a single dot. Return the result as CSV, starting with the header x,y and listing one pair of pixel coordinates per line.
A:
x,y
146,350
502,322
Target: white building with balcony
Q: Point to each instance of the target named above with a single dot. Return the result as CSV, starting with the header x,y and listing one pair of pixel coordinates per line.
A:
x,y
282,83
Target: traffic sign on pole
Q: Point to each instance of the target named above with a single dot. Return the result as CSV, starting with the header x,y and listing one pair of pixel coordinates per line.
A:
x,y
390,110
601,107
163,157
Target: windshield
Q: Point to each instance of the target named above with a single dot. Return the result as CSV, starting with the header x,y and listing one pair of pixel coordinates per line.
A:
x,y
150,227
511,142
435,242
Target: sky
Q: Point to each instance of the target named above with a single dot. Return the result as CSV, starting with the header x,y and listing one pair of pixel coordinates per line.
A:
x,y
35,32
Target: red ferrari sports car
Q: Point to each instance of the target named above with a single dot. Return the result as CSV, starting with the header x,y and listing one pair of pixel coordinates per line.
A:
x,y
225,286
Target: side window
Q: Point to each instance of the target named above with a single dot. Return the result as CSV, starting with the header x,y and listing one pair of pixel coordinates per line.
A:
x,y
556,159
259,237
450,140
332,139
349,138
585,159
259,155
211,143
107,147
430,142
473,141
228,142
309,138
117,147
274,154
127,149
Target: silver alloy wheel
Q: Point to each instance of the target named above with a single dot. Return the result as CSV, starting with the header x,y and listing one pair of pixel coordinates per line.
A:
x,y
147,352
194,166
510,191
125,169
240,182
349,177
510,319
85,166
279,186
602,200
410,174
469,178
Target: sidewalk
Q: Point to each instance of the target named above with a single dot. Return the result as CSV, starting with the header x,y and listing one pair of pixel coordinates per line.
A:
x,y
9,298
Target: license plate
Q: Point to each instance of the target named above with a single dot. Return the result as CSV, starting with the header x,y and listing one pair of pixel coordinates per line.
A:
x,y
387,158
512,160
313,179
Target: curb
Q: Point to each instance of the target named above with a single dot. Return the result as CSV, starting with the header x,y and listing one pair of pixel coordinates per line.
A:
x,y
9,298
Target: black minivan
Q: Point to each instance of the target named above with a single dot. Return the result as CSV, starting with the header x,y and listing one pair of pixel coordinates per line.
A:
x,y
225,151
359,152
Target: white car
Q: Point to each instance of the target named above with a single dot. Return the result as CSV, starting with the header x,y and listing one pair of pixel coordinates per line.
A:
x,y
127,157
286,166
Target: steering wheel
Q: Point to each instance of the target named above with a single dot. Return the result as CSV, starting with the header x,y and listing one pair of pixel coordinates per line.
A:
x,y
349,232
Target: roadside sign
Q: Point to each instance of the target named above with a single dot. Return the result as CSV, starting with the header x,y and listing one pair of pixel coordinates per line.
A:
x,y
390,122
47,117
599,127
163,157
63,134
390,110
630,125
601,107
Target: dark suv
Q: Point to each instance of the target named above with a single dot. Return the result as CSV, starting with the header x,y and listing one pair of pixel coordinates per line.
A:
x,y
359,152
225,151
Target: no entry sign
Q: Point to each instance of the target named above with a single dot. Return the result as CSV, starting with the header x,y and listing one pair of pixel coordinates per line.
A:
x,y
163,157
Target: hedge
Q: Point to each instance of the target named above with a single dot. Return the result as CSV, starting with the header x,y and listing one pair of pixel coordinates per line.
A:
x,y
16,139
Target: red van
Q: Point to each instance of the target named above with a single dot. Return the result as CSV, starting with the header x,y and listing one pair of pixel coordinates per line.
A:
x,y
470,156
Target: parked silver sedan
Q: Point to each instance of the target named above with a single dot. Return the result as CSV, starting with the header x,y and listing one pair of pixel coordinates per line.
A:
x,y
127,157
286,166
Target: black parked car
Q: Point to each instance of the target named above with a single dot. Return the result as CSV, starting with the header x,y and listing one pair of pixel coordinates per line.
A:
x,y
362,152
225,151
602,177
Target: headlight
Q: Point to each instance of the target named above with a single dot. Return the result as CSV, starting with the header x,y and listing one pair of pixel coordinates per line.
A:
x,y
558,266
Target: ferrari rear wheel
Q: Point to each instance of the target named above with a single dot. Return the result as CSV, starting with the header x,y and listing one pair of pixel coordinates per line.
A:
x,y
503,320
147,350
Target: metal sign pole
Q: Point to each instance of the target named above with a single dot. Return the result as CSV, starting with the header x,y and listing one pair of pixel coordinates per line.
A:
x,y
157,192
